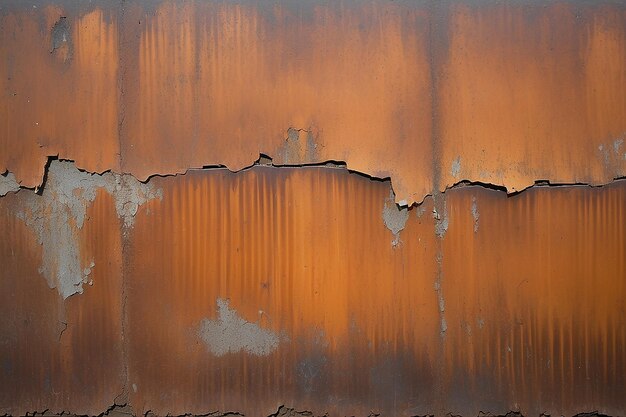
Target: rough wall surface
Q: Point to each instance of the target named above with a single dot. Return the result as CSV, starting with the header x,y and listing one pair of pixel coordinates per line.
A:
x,y
138,268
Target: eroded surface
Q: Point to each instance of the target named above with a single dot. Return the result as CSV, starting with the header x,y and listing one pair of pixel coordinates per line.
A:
x,y
480,303
229,333
426,93
57,215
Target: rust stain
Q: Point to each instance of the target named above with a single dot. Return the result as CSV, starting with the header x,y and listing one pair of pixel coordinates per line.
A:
x,y
427,94
59,90
363,318
60,355
302,252
327,314
325,294
222,82
533,93
535,301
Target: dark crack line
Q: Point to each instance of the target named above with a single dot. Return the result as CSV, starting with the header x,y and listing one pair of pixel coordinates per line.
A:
x,y
332,165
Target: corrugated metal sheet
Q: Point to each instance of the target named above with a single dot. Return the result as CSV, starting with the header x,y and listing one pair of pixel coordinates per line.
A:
x,y
427,93
60,354
308,286
519,306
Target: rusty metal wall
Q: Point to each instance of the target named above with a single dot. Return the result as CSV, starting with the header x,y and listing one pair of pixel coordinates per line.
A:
x,y
138,269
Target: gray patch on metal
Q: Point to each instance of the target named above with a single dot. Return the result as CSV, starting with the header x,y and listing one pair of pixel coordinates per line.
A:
x,y
231,334
419,212
129,194
441,221
298,148
394,217
605,154
456,167
59,213
61,34
61,39
8,184
475,214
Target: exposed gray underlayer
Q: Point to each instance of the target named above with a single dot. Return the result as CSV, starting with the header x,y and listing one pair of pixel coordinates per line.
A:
x,y
57,215
232,334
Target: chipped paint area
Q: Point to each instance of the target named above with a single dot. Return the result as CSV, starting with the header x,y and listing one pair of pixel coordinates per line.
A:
x,y
300,148
394,217
232,334
613,152
456,167
59,213
8,184
441,302
441,219
475,214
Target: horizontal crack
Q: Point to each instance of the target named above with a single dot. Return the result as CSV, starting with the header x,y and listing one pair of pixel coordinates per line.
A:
x,y
8,184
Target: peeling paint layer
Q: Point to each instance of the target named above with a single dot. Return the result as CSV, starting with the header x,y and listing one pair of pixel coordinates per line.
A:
x,y
231,334
426,93
57,215
394,217
49,345
289,249
124,91
8,184
475,214
440,214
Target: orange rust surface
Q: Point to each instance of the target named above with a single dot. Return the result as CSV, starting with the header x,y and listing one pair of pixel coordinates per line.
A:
x,y
533,93
427,93
218,83
533,300
60,355
300,251
531,289
517,305
57,99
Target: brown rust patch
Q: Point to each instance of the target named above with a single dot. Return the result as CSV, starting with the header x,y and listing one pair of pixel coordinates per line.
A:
x,y
363,318
59,90
532,301
291,251
60,355
531,91
217,83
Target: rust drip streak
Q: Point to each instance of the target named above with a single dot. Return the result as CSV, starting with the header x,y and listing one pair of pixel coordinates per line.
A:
x,y
218,83
365,326
308,286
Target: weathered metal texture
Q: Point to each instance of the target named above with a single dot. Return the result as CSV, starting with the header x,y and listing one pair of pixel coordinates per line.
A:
x,y
303,252
218,83
59,354
308,286
535,291
427,93
529,316
532,91
58,88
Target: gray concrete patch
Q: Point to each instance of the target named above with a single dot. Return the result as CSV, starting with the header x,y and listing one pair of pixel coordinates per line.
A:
x,y
232,334
456,167
8,184
394,217
57,215
475,214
